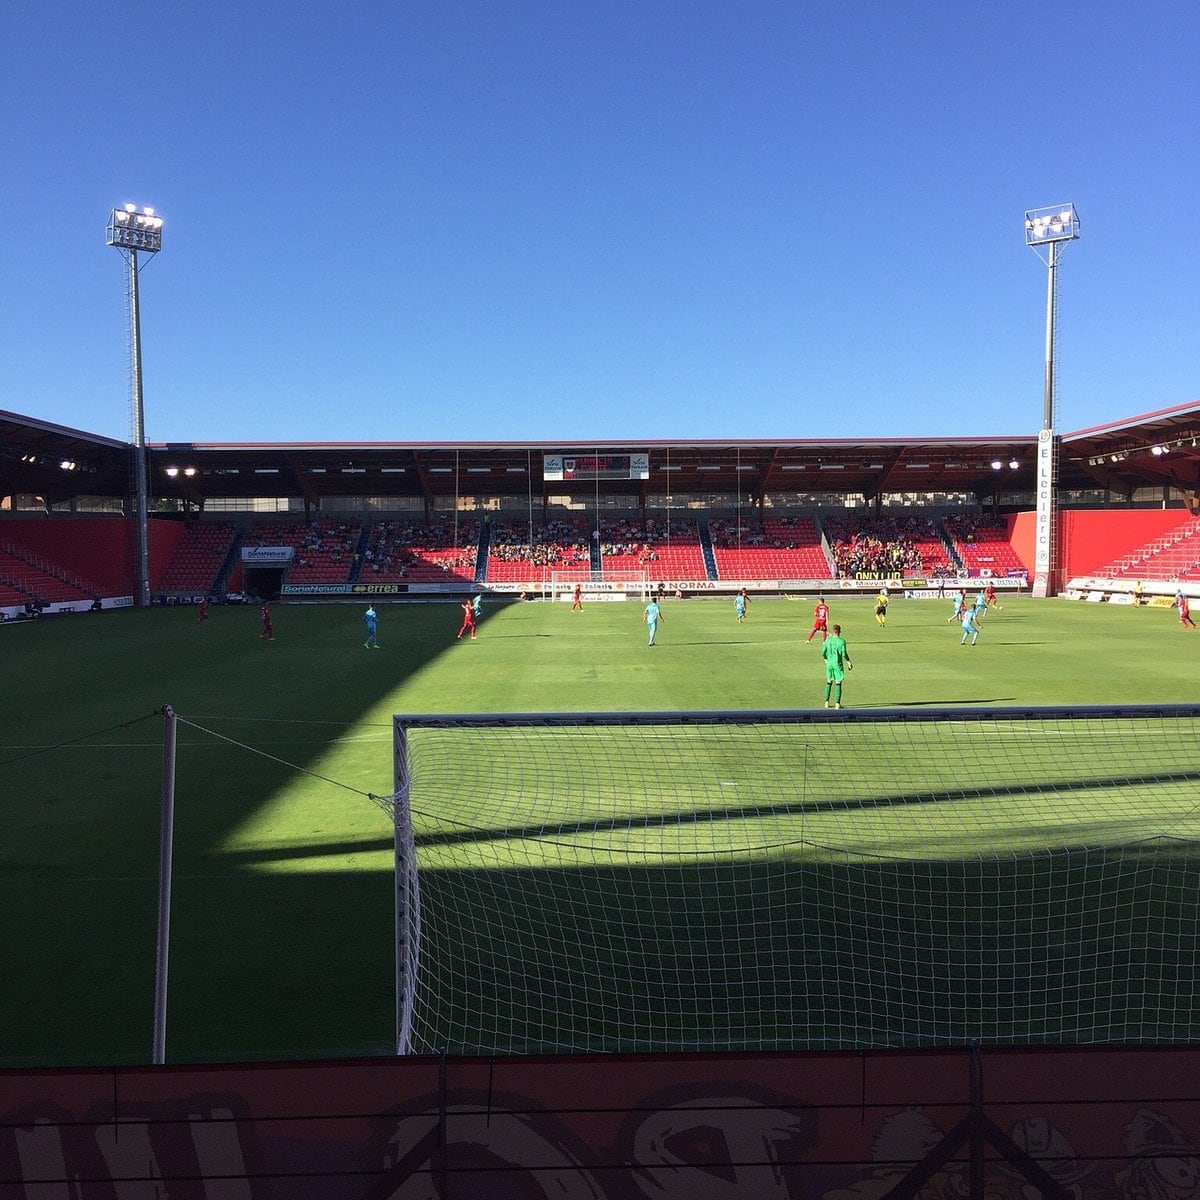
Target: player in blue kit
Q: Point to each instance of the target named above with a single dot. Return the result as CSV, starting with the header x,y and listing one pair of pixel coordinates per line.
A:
x,y
652,616
739,605
372,642
970,624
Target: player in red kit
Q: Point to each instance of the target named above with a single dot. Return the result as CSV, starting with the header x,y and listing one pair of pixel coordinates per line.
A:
x,y
468,620
1185,611
267,632
203,616
820,621
577,600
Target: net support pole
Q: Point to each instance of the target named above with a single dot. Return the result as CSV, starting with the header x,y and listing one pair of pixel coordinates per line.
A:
x,y
166,835
408,899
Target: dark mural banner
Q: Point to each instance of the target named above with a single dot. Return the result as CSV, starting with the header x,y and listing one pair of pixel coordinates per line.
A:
x,y
934,1125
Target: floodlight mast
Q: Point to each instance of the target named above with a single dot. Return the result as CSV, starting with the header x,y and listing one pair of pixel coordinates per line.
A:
x,y
132,231
1047,230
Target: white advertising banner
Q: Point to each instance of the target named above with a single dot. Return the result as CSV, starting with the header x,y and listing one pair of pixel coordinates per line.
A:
x,y
1044,520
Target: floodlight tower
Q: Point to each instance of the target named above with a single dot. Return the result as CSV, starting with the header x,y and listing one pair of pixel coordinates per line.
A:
x,y
132,231
1048,230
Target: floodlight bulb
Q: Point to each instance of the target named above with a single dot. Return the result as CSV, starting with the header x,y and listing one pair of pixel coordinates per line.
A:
x,y
131,208
996,464
172,471
1156,450
189,471
148,211
1013,464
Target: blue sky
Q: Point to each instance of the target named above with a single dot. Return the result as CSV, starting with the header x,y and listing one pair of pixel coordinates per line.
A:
x,y
452,221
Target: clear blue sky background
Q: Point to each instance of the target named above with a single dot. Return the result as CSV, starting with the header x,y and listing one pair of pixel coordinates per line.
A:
x,y
618,220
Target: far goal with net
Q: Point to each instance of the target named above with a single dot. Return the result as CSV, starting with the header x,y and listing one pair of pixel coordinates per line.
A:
x,y
597,585
679,882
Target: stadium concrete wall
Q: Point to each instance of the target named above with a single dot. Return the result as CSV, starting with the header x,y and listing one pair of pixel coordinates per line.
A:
x,y
1050,1122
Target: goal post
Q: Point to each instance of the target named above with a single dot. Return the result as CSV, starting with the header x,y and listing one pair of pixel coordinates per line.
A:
x,y
595,585
799,880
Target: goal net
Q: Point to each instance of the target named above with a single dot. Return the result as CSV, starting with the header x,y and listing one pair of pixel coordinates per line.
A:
x,y
596,584
649,882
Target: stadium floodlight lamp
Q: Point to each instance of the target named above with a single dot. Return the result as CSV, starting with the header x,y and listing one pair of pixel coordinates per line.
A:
x,y
129,229
172,472
1158,450
1058,223
996,464
1013,464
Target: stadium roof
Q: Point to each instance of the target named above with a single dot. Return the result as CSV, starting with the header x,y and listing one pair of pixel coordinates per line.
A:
x,y
57,463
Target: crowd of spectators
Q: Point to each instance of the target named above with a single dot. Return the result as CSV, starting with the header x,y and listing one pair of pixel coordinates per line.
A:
x,y
397,545
555,544
626,539
880,545
327,541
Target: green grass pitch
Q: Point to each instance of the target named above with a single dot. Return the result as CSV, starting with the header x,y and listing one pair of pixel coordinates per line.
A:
x,y
282,911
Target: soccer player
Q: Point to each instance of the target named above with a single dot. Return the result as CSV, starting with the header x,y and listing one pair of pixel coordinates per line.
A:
x,y
881,603
837,663
960,606
268,633
739,605
468,621
372,642
477,606
577,598
652,616
820,621
1185,618
970,624
203,615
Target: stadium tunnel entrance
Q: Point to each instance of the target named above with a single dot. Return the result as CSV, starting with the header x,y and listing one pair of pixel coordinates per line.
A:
x,y
263,581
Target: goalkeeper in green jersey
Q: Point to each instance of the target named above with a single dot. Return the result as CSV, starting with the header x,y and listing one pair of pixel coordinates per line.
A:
x,y
837,663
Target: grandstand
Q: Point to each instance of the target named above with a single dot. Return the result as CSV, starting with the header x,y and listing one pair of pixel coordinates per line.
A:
x,y
324,550
983,545
30,579
411,552
199,556
519,554
781,548
891,546
665,550
1174,556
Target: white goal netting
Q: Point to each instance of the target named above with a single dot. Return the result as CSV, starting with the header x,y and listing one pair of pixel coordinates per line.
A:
x,y
746,881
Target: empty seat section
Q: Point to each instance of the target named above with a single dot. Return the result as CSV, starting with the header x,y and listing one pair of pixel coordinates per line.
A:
x,y
199,555
780,548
